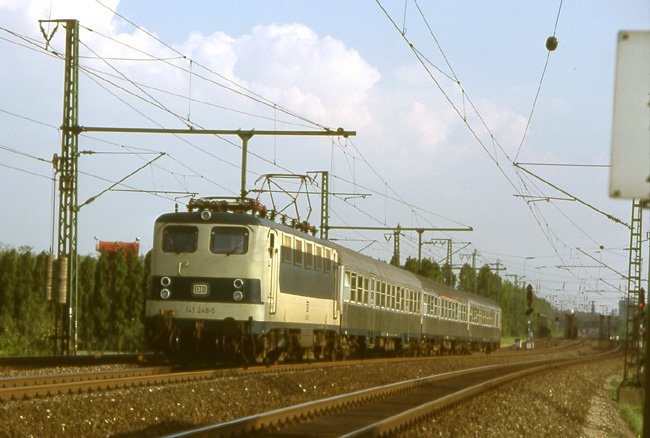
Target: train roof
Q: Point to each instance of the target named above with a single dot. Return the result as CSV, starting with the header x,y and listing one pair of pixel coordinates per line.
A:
x,y
347,257
378,268
443,289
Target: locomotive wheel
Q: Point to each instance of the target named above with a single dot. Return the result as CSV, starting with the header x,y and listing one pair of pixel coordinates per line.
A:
x,y
247,350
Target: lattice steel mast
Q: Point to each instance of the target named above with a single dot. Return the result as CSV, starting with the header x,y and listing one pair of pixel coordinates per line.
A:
x,y
632,335
66,166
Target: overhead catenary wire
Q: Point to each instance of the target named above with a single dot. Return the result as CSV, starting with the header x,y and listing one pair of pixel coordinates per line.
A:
x,y
536,213
397,198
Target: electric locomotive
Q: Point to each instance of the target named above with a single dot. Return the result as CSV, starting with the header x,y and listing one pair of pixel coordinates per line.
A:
x,y
229,282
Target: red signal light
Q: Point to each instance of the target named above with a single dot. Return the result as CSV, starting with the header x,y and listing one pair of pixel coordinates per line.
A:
x,y
641,299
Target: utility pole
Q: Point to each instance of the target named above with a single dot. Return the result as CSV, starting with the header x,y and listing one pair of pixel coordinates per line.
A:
x,y
517,278
447,242
66,166
473,256
497,268
245,137
631,376
398,229
474,271
396,242
325,205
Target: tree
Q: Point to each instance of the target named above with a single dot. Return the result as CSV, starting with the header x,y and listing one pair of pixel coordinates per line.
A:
x,y
100,305
447,275
8,275
466,278
86,328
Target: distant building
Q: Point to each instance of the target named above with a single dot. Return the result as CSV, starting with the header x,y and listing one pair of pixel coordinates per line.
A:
x,y
127,247
622,308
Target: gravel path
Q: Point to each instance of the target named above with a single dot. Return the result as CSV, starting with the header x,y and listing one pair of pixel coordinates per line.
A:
x,y
553,404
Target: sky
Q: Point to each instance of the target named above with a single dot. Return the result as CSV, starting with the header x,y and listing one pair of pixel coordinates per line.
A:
x,y
443,96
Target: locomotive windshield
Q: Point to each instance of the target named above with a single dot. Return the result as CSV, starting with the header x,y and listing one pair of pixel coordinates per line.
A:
x,y
179,238
229,240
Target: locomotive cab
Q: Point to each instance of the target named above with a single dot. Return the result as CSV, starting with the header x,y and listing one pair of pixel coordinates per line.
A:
x,y
207,276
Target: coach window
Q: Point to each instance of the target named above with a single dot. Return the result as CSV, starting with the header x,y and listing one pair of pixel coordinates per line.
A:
x,y
398,302
180,238
365,290
353,287
297,253
286,249
309,255
229,240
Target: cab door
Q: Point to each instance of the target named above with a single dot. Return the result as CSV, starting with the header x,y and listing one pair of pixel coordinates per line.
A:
x,y
273,254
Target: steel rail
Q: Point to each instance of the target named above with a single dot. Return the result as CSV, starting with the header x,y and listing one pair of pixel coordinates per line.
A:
x,y
268,422
407,418
25,387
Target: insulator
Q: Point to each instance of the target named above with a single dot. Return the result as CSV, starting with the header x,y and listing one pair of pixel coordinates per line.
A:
x,y
551,43
63,280
50,276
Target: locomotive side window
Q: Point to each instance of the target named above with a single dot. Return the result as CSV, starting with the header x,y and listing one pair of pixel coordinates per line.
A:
x,y
180,238
286,249
229,240
328,265
297,253
309,255
319,258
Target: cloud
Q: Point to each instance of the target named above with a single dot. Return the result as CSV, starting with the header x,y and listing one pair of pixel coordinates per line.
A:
x,y
316,76
90,13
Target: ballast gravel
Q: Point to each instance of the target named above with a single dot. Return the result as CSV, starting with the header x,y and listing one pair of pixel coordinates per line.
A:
x,y
557,403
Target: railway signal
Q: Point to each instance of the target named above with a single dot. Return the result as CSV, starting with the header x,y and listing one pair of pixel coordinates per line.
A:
x,y
529,299
642,312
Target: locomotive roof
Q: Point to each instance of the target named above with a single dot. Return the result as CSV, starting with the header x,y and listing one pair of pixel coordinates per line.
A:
x,y
348,257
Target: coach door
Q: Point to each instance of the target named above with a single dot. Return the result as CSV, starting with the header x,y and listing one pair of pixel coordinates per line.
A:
x,y
273,271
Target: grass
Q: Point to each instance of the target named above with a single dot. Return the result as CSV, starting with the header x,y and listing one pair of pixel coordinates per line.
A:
x,y
508,341
632,414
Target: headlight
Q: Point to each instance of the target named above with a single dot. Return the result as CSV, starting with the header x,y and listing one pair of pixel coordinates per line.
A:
x,y
238,283
238,295
206,215
165,293
165,281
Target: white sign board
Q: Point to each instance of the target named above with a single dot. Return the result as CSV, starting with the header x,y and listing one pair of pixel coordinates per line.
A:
x,y
630,171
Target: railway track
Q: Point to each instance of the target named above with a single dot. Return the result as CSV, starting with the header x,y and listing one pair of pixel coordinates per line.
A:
x,y
21,388
76,360
382,410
